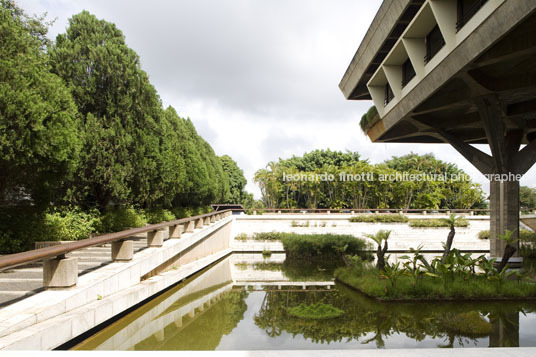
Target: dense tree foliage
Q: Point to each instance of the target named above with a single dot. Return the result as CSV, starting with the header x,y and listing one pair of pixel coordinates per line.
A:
x,y
39,142
134,151
327,179
236,179
527,198
82,130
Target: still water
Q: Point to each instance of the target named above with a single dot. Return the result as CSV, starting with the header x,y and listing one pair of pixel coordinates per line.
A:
x,y
241,303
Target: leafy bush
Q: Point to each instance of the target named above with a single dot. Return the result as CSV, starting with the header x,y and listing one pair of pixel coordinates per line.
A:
x,y
241,236
157,215
184,212
380,218
483,234
318,311
68,224
324,245
524,235
368,118
457,278
436,223
268,236
120,218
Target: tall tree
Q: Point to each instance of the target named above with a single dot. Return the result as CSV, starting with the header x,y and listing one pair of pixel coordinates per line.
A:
x,y
120,112
39,141
236,179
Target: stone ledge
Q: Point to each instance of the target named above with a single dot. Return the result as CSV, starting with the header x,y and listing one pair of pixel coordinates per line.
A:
x,y
104,281
60,329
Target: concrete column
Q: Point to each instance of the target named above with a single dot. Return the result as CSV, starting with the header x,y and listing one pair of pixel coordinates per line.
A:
x,y
189,227
504,214
176,231
122,250
212,219
60,272
278,212
178,322
206,221
424,212
254,213
199,223
155,239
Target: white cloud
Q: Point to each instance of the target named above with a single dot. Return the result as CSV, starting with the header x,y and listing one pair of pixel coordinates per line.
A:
x,y
259,79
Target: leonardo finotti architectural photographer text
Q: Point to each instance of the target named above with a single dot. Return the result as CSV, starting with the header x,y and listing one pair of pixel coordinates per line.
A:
x,y
399,176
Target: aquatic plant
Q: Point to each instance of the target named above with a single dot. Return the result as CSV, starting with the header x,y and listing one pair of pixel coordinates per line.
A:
x,y
318,311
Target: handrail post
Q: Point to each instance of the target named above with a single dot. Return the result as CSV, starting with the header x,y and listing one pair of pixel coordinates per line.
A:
x,y
60,272
199,223
176,231
122,250
190,226
155,238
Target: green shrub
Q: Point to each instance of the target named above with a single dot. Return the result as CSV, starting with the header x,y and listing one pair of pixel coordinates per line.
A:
x,y
380,218
368,118
67,224
527,236
324,245
241,236
184,212
436,223
524,235
119,218
318,311
483,234
268,236
157,215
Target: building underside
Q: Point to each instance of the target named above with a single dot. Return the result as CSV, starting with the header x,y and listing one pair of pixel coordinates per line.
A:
x,y
483,91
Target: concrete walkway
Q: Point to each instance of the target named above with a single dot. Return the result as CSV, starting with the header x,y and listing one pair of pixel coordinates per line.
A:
x,y
23,281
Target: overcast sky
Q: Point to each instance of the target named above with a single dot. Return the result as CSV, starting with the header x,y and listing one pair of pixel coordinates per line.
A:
x,y
259,78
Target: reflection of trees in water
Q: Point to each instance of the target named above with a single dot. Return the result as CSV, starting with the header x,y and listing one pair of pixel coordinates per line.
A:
x,y
206,329
366,319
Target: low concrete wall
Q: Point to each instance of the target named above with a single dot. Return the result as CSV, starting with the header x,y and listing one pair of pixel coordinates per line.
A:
x,y
403,237
53,317
530,221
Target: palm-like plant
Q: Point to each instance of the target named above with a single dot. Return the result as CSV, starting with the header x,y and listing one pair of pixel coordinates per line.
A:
x,y
379,237
510,248
451,221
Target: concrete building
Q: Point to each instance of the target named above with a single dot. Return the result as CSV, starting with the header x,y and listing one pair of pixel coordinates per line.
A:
x,y
460,72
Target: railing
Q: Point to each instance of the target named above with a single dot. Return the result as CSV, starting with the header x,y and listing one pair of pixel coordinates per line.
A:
x,y
366,210
188,224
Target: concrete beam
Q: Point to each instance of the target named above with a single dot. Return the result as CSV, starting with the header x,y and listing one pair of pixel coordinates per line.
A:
x,y
60,272
524,159
482,161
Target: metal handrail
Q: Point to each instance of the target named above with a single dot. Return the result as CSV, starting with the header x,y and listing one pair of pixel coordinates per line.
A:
x,y
12,260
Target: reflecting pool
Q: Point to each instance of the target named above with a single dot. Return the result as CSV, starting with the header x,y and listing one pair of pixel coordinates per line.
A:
x,y
243,302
